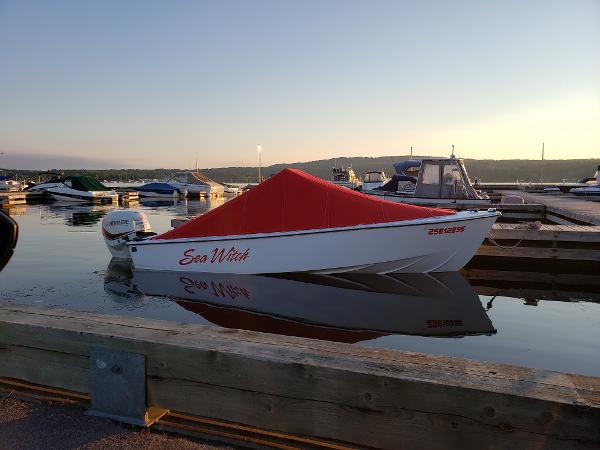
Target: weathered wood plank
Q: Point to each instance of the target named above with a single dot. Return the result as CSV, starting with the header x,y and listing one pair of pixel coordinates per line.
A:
x,y
547,233
541,253
379,398
565,205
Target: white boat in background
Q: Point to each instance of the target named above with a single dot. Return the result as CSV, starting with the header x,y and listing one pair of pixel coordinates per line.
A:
x,y
82,189
46,180
161,190
8,184
440,181
294,222
196,183
591,189
345,177
374,179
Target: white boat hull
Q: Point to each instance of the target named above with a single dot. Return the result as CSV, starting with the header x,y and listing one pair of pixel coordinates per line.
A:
x,y
437,244
65,194
148,194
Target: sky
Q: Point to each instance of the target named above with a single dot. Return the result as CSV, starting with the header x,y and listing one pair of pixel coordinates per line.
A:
x,y
103,84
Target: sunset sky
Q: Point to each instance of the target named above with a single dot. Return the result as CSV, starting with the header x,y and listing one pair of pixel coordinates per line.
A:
x,y
150,84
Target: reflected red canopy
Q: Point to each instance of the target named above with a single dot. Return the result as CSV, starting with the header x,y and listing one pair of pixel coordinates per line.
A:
x,y
294,200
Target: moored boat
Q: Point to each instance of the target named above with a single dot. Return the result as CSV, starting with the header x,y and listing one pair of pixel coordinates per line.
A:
x,y
196,183
373,179
82,189
591,189
431,181
294,222
345,177
161,190
9,184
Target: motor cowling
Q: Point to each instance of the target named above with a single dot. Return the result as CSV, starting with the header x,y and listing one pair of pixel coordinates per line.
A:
x,y
121,227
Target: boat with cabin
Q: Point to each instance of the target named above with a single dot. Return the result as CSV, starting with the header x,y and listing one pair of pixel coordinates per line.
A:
x,y
196,183
295,222
345,177
431,181
374,179
82,189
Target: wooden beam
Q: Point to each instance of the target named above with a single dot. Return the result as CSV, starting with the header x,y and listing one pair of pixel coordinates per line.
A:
x,y
540,253
361,396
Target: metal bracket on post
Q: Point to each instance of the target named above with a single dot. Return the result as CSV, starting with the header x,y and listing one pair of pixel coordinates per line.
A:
x,y
118,387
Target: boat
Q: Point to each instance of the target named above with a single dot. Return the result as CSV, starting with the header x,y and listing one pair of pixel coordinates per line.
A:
x,y
161,190
196,183
373,179
295,222
82,189
8,184
345,177
46,180
341,308
591,189
439,181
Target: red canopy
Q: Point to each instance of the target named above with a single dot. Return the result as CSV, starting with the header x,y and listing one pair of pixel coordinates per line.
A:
x,y
293,200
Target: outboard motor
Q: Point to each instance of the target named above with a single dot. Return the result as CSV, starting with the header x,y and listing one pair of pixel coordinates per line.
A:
x,y
121,227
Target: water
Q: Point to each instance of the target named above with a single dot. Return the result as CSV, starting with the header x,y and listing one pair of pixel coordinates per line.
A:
x,y
61,261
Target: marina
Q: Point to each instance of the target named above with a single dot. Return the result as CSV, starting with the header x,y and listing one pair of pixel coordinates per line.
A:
x,y
518,322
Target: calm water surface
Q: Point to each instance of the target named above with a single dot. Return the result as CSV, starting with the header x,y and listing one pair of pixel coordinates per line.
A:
x,y
61,261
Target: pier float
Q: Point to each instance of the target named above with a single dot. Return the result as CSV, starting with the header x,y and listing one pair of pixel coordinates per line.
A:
x,y
548,242
9,199
341,393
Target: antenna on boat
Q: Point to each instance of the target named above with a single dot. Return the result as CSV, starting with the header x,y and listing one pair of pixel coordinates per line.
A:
x,y
411,152
196,162
453,150
259,149
542,176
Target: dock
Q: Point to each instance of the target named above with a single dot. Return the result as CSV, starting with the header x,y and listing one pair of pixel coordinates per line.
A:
x,y
563,208
548,242
336,395
9,199
127,196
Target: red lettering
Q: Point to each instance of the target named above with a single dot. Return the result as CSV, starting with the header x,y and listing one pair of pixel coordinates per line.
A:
x,y
188,257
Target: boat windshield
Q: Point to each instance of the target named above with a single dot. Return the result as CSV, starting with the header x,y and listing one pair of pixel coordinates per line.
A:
x,y
444,179
373,177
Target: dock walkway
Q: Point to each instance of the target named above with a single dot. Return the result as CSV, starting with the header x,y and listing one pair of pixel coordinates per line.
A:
x,y
563,208
550,242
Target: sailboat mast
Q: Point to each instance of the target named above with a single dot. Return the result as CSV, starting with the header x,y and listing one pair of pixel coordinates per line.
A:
x,y
259,148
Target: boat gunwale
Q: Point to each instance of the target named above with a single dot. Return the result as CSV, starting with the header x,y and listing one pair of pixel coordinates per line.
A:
x,y
458,217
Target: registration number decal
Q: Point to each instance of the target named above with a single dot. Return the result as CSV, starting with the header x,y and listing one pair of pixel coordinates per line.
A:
x,y
448,230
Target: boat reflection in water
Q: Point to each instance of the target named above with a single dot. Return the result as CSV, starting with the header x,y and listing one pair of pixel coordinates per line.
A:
x,y
334,308
77,215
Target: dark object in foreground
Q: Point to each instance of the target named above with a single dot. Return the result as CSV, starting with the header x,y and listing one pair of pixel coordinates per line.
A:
x,y
9,233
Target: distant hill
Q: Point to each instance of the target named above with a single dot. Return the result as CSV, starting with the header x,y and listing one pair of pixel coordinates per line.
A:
x,y
485,170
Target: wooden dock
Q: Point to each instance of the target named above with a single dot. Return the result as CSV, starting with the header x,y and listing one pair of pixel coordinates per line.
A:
x,y
550,242
564,208
128,196
9,199
346,395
